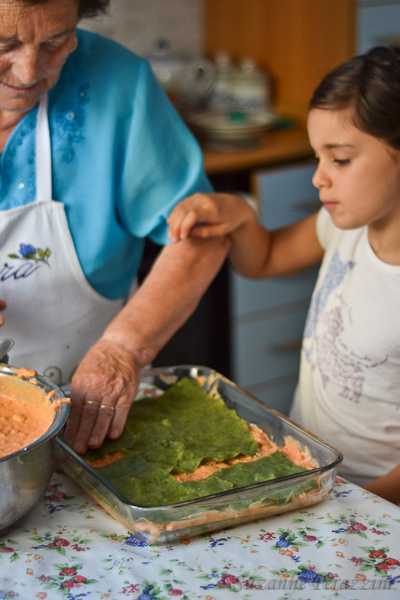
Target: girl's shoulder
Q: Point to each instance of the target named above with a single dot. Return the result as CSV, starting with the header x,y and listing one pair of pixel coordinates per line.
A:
x,y
328,234
351,246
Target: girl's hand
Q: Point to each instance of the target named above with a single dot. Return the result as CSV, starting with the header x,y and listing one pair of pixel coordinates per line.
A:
x,y
207,215
3,306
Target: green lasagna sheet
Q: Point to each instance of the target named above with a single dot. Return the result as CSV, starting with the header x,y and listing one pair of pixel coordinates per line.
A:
x,y
175,433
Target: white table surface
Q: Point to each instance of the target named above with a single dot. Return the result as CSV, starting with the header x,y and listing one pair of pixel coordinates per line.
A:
x,y
68,547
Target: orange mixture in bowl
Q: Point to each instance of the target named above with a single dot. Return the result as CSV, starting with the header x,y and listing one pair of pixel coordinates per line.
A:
x,y
26,411
22,423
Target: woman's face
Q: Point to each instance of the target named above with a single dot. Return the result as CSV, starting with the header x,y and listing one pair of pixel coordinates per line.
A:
x,y
35,41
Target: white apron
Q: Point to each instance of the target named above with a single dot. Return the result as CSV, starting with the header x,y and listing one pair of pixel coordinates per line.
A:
x,y
53,313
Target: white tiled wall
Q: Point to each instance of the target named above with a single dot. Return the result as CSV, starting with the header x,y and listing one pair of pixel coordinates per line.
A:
x,y
140,24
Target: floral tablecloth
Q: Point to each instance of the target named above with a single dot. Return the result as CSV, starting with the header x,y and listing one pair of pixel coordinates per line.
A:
x,y
69,547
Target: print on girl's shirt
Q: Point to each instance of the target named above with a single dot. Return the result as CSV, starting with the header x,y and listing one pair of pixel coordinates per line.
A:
x,y
334,277
326,350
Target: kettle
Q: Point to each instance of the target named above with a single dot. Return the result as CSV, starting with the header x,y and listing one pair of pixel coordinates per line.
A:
x,y
188,80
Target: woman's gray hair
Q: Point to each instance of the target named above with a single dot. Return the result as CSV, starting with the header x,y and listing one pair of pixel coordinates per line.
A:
x,y
87,8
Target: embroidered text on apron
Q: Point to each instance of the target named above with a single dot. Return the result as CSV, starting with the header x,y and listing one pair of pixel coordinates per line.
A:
x,y
53,313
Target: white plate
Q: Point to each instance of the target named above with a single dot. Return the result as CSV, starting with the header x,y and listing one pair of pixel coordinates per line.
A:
x,y
233,126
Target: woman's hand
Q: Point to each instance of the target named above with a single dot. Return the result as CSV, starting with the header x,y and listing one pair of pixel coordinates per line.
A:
x,y
102,391
207,215
106,381
3,306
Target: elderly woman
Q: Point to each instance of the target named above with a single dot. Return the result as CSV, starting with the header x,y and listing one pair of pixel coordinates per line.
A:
x,y
93,160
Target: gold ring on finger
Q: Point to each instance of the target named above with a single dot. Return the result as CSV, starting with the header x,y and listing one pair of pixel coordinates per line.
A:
x,y
107,406
92,402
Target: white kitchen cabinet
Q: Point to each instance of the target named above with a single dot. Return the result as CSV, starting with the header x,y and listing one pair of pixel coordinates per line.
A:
x,y
267,317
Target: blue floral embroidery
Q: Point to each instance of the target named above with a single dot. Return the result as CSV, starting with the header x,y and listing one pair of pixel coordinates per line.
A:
x,y
29,252
69,124
67,119
21,136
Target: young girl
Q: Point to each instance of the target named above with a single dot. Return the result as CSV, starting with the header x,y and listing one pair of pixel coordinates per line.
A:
x,y
349,385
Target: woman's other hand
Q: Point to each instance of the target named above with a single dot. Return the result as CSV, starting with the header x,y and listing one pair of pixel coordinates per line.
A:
x,y
207,215
102,391
3,306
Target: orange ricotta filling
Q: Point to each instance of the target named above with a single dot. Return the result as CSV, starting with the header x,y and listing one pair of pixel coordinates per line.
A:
x,y
21,423
26,411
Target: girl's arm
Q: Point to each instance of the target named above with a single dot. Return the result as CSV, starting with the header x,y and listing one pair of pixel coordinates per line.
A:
x,y
255,251
387,486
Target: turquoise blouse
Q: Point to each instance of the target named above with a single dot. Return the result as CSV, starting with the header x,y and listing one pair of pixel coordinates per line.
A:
x,y
121,160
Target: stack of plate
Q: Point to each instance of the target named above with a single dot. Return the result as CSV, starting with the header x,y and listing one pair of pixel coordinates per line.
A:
x,y
234,126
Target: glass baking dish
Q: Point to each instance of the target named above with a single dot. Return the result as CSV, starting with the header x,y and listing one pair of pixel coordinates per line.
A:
x,y
156,525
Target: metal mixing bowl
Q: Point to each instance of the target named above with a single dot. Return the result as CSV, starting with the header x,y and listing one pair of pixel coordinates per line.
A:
x,y
25,474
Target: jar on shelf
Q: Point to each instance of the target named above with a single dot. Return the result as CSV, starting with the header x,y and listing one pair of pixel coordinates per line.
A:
x,y
242,87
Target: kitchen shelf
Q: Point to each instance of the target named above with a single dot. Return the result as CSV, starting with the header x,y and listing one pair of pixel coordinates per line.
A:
x,y
275,146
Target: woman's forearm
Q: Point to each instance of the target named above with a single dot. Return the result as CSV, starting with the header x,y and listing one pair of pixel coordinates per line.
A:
x,y
168,296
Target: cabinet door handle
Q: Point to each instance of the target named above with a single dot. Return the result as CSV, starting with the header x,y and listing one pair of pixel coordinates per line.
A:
x,y
284,347
312,205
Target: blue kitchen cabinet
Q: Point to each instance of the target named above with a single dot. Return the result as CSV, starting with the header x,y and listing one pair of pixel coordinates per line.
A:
x,y
268,316
377,24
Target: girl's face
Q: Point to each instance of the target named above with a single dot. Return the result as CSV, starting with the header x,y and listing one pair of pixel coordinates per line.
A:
x,y
358,176
35,41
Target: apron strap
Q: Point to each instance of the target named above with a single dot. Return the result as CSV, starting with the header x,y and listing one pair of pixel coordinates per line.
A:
x,y
43,153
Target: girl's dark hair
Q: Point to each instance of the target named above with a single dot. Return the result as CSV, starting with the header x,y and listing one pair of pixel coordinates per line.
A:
x,y
87,8
370,85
